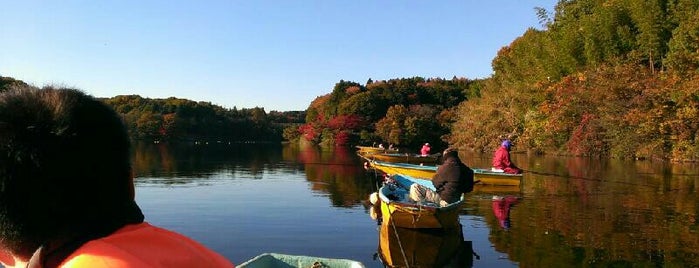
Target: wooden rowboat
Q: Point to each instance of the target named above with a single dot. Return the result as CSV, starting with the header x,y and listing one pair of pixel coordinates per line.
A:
x,y
373,150
488,177
398,210
404,158
412,170
277,260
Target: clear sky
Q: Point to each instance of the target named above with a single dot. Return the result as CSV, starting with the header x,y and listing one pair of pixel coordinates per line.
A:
x,y
279,55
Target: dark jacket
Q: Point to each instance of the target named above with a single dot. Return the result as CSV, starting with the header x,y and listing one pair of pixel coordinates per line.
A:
x,y
453,178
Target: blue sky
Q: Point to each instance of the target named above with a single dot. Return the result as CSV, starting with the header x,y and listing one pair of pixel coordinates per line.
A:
x,y
279,55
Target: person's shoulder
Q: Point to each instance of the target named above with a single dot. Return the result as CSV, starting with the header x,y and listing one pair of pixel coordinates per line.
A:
x,y
145,245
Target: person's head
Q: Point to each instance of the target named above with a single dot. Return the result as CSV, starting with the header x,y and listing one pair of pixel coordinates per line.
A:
x,y
427,144
450,153
64,167
507,144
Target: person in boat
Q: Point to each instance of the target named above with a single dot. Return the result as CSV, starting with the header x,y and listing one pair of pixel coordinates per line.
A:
x,y
501,159
67,195
425,150
452,180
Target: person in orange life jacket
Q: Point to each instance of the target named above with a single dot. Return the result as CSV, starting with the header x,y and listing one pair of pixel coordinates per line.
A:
x,y
425,150
501,159
453,178
67,192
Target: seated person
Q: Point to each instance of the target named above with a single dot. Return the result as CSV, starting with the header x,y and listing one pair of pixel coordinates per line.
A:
x,y
453,179
68,193
425,150
501,159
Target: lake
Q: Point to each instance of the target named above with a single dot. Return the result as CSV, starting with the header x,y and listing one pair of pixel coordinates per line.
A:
x,y
246,199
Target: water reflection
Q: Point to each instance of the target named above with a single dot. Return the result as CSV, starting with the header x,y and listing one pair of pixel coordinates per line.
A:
x,y
570,211
334,172
407,247
191,162
501,209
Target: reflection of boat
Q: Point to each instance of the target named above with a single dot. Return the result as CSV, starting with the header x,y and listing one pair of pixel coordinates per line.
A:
x,y
405,247
488,177
373,150
403,158
496,189
413,170
398,210
274,260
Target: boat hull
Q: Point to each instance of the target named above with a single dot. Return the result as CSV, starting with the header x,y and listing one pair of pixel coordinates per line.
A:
x,y
397,210
487,177
403,158
412,170
373,150
274,260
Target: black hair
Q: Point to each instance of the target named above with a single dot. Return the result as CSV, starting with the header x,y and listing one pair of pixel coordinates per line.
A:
x,y
64,167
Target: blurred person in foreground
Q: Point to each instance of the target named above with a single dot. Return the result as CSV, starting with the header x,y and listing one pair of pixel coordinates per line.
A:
x,y
67,192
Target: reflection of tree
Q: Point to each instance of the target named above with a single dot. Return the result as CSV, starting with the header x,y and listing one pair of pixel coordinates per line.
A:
x,y
192,162
603,212
338,172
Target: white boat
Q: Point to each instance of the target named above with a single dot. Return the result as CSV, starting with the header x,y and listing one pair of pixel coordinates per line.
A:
x,y
278,260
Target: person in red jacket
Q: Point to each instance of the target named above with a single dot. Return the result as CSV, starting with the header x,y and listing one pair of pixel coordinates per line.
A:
x,y
67,195
425,150
501,159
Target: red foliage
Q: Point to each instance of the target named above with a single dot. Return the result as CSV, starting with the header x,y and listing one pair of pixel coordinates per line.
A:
x,y
587,138
308,132
341,138
345,122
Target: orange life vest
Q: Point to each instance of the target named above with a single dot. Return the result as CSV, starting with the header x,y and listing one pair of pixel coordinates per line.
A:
x,y
144,245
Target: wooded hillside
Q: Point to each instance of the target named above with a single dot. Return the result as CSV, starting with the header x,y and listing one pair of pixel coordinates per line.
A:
x,y
612,78
604,78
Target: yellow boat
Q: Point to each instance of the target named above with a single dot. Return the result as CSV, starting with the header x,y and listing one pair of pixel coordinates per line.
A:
x,y
404,158
412,170
373,150
488,177
399,211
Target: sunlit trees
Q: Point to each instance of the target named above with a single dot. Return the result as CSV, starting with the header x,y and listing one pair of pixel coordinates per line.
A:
x,y
355,113
602,78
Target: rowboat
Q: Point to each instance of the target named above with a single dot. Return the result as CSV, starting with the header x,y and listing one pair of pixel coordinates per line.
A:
x,y
404,158
406,247
412,170
489,177
398,210
374,150
277,260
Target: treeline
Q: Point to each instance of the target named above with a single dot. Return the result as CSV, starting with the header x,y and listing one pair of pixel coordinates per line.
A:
x,y
405,112
174,119
604,78
601,78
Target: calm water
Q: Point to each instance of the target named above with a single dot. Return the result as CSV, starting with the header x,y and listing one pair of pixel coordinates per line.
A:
x,y
244,200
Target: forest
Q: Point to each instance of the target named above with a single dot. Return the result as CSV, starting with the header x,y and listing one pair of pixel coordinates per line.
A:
x,y
602,78
599,78
181,120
